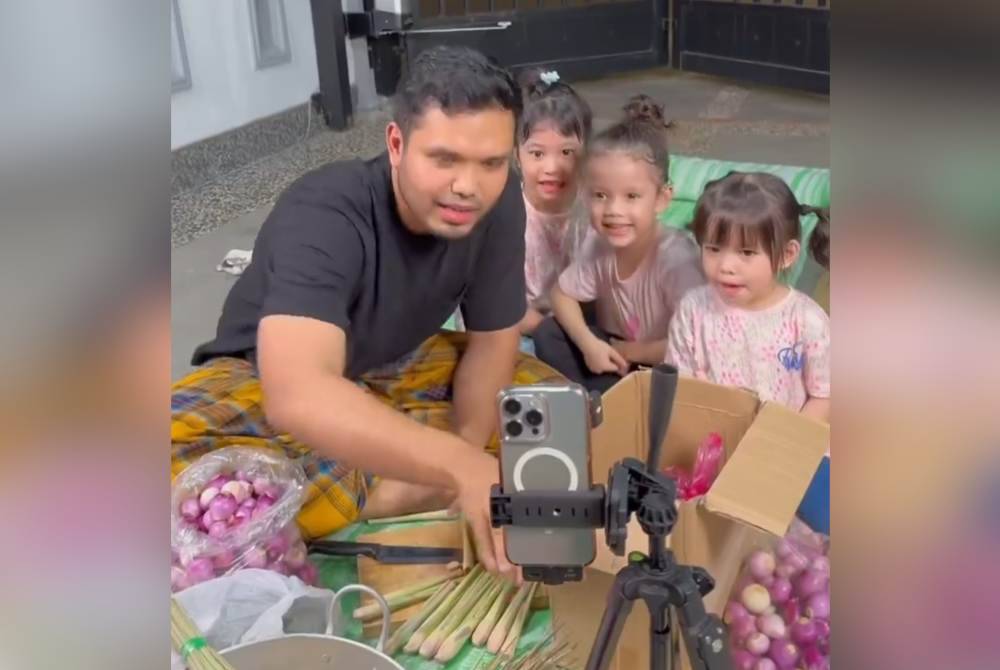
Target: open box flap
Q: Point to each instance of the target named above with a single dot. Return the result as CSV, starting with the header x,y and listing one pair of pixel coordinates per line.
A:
x,y
700,407
763,481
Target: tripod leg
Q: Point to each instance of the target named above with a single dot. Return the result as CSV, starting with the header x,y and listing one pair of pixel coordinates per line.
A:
x,y
659,638
616,611
704,635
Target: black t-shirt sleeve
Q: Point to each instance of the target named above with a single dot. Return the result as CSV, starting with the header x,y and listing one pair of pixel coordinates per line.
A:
x,y
495,298
313,265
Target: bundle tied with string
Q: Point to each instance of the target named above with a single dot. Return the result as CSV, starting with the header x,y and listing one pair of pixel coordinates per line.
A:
x,y
189,643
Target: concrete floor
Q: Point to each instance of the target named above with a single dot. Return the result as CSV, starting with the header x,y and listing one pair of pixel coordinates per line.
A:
x,y
713,117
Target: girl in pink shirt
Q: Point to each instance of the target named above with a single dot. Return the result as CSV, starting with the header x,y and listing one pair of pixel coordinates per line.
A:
x,y
552,134
745,327
633,270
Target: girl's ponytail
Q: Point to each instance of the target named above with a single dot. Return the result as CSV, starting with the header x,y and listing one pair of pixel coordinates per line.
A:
x,y
819,243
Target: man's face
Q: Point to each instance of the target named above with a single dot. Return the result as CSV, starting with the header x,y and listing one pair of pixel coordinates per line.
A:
x,y
449,170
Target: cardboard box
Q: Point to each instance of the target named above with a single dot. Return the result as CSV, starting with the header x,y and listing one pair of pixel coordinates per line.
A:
x,y
771,456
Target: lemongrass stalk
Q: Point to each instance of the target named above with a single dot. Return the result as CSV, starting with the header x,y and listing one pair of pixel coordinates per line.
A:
x,y
510,643
436,515
372,611
462,607
458,637
400,598
428,626
403,633
556,658
499,633
485,627
547,654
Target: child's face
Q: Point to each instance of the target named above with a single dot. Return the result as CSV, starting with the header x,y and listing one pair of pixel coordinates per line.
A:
x,y
625,196
744,277
549,162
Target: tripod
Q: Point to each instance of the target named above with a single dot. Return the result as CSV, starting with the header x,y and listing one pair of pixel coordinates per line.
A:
x,y
656,579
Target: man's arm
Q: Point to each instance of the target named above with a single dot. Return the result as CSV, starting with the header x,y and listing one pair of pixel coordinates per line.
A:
x,y
301,362
486,367
494,306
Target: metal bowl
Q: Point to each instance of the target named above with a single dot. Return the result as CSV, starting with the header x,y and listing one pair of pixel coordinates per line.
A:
x,y
305,651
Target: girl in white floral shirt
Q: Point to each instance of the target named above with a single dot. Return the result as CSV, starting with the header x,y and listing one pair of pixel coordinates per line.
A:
x,y
745,327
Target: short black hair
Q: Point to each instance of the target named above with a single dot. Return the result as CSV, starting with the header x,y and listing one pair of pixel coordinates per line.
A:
x,y
455,79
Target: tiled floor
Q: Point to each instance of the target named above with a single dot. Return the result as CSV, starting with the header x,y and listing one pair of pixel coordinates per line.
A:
x,y
712,117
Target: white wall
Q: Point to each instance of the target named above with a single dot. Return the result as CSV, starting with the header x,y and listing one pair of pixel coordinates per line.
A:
x,y
226,90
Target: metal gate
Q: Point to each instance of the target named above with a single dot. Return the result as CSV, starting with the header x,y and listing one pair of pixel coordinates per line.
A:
x,y
579,38
781,42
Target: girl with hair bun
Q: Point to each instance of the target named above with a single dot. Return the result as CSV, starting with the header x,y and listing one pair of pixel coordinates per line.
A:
x,y
633,270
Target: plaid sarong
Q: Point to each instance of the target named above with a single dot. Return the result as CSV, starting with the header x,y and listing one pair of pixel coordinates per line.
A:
x,y
220,404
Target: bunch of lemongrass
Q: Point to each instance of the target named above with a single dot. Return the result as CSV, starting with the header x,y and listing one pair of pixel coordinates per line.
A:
x,y
189,643
482,608
434,619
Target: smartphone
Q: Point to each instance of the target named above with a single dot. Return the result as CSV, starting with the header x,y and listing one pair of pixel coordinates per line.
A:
x,y
545,446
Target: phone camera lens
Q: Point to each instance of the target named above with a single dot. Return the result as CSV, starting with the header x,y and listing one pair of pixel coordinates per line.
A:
x,y
512,406
533,417
514,428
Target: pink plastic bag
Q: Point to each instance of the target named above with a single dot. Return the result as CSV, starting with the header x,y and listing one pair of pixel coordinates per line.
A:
x,y
707,464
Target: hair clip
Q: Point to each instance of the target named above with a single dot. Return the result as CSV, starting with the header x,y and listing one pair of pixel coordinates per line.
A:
x,y
549,77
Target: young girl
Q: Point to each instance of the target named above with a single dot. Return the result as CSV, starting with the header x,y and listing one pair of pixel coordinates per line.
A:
x,y
746,328
632,269
552,133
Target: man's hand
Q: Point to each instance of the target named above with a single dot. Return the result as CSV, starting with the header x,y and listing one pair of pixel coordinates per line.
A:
x,y
475,475
602,357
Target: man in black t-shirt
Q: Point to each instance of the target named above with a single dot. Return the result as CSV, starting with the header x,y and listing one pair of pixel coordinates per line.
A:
x,y
358,265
